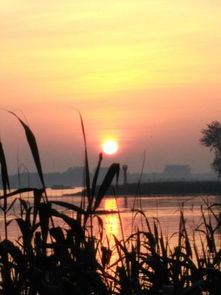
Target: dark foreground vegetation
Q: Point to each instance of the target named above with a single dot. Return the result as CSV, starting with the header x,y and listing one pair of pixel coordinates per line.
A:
x,y
57,251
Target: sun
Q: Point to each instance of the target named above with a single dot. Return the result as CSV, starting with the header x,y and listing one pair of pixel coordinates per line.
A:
x,y
110,147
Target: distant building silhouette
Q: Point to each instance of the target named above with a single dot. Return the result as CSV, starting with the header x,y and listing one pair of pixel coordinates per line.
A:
x,y
125,167
177,171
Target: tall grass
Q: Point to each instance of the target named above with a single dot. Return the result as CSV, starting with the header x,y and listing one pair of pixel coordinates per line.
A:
x,y
66,257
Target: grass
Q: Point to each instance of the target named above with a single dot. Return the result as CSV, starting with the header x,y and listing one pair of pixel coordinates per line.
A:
x,y
50,258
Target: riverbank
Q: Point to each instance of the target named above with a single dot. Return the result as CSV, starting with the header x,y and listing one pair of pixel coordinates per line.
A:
x,y
165,188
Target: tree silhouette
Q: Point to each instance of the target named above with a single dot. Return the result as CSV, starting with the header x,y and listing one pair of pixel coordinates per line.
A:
x,y
212,138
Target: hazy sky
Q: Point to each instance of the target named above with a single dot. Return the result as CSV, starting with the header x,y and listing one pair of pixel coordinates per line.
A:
x,y
145,72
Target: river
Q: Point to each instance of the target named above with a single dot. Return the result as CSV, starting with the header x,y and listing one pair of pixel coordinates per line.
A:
x,y
165,210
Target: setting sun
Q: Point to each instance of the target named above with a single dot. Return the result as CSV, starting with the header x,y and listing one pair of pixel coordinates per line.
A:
x,y
110,147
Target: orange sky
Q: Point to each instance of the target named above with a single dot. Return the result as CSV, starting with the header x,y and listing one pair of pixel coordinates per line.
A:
x,y
144,72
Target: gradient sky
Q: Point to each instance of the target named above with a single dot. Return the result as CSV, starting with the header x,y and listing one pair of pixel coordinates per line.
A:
x,y
145,72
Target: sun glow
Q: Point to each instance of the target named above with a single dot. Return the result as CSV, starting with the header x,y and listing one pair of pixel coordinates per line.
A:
x,y
110,147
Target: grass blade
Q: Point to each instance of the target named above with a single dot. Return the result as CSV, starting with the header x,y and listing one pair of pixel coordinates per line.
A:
x,y
94,183
114,170
33,147
4,170
69,206
20,191
87,173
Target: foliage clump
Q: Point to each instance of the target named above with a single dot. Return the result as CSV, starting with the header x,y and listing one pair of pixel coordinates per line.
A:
x,y
212,138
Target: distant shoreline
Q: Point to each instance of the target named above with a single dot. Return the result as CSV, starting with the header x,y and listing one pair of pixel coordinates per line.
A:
x,y
181,188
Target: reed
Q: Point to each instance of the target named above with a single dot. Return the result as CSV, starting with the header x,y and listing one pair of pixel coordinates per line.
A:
x,y
66,257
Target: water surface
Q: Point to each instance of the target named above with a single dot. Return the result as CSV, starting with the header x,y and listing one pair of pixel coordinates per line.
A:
x,y
165,210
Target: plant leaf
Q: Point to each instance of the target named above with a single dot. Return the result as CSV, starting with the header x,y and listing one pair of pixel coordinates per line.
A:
x,y
87,173
69,206
33,147
20,191
114,170
4,170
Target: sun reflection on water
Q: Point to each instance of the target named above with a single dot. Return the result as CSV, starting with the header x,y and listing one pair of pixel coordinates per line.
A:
x,y
111,221
111,226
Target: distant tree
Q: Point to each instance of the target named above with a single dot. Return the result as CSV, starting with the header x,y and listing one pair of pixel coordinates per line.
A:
x,y
212,138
